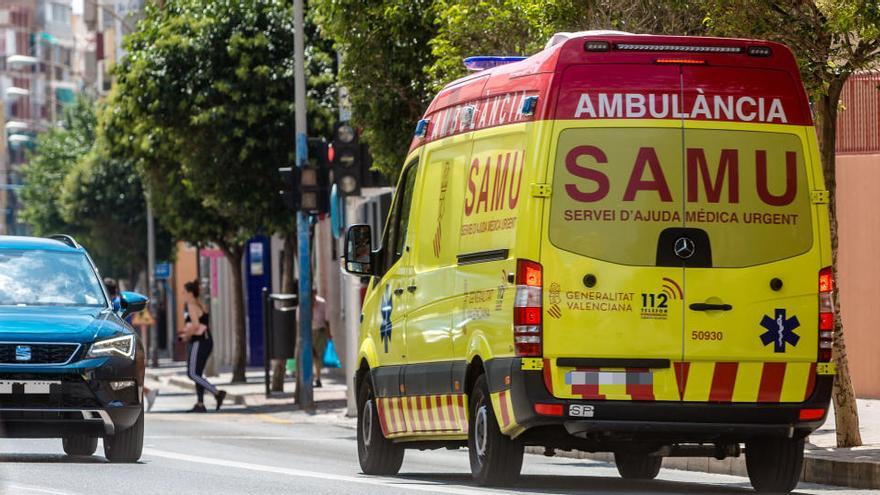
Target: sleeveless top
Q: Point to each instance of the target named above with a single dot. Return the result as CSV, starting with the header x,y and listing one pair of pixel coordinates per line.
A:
x,y
205,319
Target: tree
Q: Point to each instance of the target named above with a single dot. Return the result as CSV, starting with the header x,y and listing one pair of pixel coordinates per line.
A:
x,y
832,40
71,188
384,47
56,152
204,105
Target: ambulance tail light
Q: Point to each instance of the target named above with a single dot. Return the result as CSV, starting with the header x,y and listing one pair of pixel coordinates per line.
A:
x,y
826,314
527,309
549,409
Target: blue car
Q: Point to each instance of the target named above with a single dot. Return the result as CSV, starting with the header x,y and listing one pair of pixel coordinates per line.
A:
x,y
70,366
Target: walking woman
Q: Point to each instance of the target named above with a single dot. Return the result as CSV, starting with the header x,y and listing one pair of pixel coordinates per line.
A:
x,y
198,334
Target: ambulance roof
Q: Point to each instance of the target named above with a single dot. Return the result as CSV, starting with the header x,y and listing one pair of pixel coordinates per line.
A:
x,y
534,76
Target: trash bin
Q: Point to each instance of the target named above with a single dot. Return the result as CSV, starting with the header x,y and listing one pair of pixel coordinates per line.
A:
x,y
283,333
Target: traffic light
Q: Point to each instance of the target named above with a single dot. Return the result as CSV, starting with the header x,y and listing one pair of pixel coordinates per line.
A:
x,y
348,163
308,188
290,194
315,179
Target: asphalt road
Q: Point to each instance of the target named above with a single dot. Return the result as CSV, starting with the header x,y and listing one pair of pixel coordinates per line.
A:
x,y
263,452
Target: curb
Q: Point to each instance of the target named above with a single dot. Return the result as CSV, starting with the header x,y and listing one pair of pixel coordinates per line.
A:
x,y
819,466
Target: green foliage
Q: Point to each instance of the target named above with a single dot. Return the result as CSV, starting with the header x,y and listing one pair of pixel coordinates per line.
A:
x,y
70,187
56,153
385,51
204,105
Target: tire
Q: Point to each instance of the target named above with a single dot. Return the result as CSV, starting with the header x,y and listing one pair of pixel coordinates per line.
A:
x,y
496,459
376,454
79,445
126,445
637,466
774,464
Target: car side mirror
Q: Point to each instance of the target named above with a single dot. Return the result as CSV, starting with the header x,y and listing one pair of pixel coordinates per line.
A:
x,y
132,302
359,250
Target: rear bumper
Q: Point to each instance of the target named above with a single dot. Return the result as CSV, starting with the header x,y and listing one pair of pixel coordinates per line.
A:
x,y
665,422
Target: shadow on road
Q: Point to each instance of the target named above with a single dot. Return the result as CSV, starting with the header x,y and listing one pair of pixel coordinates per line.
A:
x,y
593,484
51,459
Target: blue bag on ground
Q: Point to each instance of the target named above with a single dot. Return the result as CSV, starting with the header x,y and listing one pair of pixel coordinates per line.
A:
x,y
331,360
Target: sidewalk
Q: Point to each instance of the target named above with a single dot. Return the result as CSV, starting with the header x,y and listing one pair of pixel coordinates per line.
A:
x,y
858,467
330,401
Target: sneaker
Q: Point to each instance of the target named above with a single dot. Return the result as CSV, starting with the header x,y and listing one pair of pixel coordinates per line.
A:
x,y
221,394
198,408
318,383
151,398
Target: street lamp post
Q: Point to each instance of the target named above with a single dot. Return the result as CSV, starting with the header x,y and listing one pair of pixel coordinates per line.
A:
x,y
304,390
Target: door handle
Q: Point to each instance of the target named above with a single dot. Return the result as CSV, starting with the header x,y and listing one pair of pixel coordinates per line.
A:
x,y
411,289
710,307
398,291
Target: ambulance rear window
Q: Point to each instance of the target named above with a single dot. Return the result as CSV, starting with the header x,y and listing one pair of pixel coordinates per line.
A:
x,y
616,189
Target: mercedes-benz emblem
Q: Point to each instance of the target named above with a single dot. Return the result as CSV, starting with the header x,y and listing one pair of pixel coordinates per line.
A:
x,y
684,247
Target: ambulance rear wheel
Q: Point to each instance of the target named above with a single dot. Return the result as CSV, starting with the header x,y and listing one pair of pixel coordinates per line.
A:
x,y
377,454
496,459
637,466
774,464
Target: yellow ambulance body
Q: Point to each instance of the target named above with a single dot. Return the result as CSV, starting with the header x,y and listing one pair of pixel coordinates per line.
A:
x,y
618,244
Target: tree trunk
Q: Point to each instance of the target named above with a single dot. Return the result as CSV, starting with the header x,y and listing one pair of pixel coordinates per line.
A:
x,y
846,412
239,355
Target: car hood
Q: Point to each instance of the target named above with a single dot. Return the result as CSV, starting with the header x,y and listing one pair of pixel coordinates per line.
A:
x,y
55,324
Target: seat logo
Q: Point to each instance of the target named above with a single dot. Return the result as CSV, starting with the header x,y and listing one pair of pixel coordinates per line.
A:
x,y
22,353
684,247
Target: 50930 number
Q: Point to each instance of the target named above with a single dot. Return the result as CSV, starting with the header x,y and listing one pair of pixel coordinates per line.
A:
x,y
706,335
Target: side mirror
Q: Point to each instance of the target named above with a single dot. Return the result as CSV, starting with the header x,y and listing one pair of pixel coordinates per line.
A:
x,y
359,250
131,302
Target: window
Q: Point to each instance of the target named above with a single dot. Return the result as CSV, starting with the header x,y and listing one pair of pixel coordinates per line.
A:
x,y
60,13
395,238
45,278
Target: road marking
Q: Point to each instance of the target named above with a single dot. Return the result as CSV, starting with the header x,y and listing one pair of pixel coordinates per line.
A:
x,y
16,488
417,485
272,419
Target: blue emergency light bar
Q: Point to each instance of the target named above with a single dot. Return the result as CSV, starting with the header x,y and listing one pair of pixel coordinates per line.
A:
x,y
487,62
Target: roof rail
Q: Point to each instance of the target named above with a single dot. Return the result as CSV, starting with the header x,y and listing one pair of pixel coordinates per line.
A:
x,y
66,239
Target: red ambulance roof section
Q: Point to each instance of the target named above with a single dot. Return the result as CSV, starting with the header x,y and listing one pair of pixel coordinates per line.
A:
x,y
571,82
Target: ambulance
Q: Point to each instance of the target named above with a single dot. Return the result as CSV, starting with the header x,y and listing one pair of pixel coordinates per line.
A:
x,y
619,244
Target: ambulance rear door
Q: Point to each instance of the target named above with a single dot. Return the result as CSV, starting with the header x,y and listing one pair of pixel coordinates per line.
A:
x,y
612,320
749,243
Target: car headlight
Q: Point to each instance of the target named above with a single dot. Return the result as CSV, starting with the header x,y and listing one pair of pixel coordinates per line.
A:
x,y
122,346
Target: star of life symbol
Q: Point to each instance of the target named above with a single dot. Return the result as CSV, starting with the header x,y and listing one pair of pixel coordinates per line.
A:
x,y
780,330
386,308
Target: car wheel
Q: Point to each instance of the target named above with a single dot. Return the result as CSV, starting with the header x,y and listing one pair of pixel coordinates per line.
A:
x,y
79,445
126,445
637,466
496,459
377,454
774,464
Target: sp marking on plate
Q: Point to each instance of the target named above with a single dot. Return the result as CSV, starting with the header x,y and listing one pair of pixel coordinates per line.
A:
x,y
580,411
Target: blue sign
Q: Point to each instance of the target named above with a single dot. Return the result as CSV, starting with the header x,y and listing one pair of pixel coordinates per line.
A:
x,y
162,271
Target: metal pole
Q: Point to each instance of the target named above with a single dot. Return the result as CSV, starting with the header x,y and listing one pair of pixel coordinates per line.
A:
x,y
304,390
151,280
267,313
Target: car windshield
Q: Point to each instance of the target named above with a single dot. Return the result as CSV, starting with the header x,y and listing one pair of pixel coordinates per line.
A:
x,y
48,278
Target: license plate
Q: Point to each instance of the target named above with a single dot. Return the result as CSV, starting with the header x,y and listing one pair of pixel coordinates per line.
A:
x,y
29,387
580,411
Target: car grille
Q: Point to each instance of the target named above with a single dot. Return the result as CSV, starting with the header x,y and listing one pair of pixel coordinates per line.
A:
x,y
39,353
